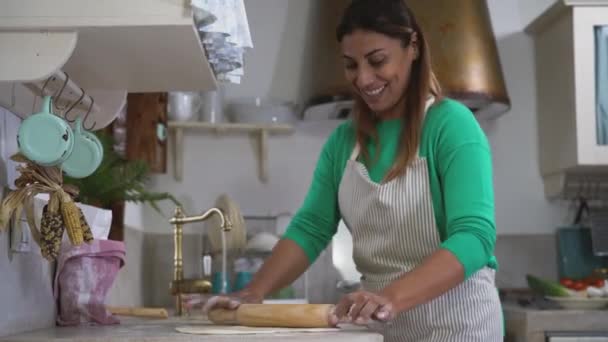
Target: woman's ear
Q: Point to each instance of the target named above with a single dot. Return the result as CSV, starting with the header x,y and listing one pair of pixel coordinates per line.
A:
x,y
415,45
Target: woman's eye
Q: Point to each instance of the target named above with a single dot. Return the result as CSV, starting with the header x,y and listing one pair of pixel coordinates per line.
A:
x,y
377,62
350,66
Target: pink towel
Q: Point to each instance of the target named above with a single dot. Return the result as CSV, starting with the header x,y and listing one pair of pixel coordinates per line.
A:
x,y
84,276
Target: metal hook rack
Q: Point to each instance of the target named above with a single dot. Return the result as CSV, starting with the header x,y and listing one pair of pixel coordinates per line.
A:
x,y
67,96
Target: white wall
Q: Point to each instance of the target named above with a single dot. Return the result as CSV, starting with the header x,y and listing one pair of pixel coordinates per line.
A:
x,y
520,204
280,66
275,68
530,9
26,293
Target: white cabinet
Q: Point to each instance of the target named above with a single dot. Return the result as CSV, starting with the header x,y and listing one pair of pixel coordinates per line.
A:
x,y
108,46
138,45
571,57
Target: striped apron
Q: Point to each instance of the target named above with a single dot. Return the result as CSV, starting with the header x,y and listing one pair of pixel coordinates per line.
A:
x,y
393,229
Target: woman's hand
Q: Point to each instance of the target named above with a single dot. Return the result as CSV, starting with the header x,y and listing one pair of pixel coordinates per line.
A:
x,y
232,301
227,301
363,307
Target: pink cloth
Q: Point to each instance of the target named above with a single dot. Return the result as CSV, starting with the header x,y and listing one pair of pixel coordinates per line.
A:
x,y
84,276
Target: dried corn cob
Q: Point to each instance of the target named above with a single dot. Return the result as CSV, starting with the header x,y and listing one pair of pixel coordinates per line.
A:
x,y
51,231
44,233
86,230
71,219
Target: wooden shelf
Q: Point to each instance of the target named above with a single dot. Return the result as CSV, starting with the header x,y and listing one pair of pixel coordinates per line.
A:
x,y
261,131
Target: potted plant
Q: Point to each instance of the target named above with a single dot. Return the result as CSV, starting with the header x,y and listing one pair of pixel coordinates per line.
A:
x,y
116,181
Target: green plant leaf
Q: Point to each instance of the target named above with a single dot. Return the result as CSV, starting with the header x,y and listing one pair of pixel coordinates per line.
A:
x,y
118,179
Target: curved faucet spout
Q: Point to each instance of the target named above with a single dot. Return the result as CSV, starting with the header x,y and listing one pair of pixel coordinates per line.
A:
x,y
225,224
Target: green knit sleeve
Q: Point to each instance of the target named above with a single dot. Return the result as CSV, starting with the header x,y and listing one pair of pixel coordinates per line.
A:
x,y
315,223
464,163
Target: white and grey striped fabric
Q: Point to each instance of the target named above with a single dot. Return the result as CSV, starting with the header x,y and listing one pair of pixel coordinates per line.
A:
x,y
393,229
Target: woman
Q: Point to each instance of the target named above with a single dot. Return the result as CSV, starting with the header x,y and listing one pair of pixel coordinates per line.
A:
x,y
411,177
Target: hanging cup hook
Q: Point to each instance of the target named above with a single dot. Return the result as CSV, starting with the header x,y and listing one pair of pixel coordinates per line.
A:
x,y
58,96
50,78
74,105
87,116
45,84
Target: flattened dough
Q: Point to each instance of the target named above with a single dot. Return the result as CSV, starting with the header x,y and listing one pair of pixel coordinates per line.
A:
x,y
240,330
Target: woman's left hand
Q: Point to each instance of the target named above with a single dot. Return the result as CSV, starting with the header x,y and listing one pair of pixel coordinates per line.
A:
x,y
362,307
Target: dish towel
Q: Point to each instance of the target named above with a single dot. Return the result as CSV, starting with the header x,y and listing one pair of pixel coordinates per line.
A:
x,y
84,276
224,31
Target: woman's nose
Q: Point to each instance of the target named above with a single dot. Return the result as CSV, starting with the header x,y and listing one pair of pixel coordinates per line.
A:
x,y
365,78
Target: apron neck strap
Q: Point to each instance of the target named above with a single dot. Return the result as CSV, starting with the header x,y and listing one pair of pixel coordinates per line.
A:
x,y
355,154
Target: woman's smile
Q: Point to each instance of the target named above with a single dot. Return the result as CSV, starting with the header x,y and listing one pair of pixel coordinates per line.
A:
x,y
378,69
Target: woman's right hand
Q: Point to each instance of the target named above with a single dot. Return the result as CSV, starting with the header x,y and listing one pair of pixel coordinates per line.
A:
x,y
232,301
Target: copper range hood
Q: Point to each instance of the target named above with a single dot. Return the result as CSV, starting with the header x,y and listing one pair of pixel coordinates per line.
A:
x,y
463,51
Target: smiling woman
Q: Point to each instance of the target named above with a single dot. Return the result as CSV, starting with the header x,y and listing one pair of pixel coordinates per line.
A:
x,y
411,177
388,65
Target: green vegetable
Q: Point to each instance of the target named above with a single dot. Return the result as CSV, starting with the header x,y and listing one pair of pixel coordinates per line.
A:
x,y
547,287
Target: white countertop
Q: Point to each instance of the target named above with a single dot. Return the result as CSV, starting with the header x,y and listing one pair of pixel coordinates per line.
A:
x,y
138,330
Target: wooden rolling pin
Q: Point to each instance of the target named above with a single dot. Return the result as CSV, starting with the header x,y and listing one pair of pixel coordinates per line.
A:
x,y
138,312
274,315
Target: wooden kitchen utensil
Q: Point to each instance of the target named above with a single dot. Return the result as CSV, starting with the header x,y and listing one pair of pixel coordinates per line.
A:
x,y
275,315
138,312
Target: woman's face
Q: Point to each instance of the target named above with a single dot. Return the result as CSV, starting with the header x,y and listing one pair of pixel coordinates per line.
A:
x,y
378,68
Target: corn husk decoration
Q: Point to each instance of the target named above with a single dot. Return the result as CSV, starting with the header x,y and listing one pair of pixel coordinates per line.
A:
x,y
59,215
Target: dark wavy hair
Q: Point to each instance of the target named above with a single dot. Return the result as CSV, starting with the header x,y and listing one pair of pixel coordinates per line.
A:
x,y
393,18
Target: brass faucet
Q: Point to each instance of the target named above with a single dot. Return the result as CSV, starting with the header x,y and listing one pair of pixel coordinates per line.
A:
x,y
179,285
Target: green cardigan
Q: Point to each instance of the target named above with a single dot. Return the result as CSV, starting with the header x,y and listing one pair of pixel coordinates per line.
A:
x,y
460,173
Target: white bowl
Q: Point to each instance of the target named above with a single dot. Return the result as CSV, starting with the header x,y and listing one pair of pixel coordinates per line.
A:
x,y
262,242
260,111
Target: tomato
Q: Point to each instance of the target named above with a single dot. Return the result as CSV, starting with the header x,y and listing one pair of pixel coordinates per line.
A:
x,y
579,285
594,281
589,280
567,282
599,283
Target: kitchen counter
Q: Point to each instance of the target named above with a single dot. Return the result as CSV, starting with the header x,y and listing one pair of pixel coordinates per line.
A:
x,y
139,330
530,324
